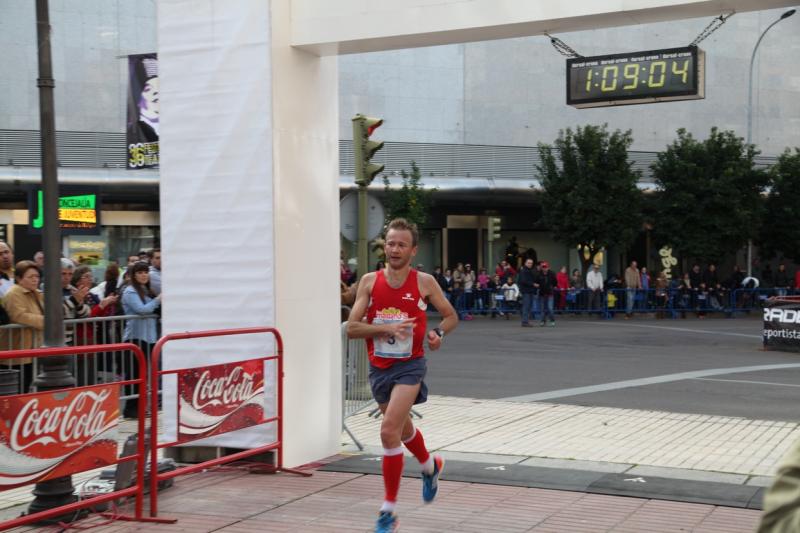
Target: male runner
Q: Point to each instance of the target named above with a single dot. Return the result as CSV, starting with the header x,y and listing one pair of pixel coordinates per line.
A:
x,y
394,301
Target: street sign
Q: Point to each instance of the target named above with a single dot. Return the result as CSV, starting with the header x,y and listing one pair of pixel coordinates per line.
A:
x,y
348,217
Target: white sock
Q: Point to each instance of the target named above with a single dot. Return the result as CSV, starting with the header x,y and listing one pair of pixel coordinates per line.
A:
x,y
388,506
427,466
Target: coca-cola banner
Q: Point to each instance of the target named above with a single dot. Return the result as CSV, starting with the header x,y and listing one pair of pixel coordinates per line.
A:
x,y
53,434
220,399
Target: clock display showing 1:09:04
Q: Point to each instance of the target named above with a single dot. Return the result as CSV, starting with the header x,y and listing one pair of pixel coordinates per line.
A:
x,y
638,77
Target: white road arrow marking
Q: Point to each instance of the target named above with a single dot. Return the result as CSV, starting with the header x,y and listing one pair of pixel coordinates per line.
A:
x,y
372,459
636,480
501,467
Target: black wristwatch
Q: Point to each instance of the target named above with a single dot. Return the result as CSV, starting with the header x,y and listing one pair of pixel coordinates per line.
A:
x,y
439,332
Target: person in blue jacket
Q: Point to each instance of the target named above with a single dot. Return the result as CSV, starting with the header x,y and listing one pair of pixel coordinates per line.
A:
x,y
138,299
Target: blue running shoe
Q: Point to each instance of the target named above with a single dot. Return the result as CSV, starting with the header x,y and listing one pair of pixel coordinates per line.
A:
x,y
430,482
387,522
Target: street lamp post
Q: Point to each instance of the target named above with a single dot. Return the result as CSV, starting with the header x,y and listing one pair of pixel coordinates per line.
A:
x,y
55,373
786,15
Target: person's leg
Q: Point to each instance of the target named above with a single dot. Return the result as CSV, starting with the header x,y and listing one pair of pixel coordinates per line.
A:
x,y
550,309
526,307
542,308
395,419
630,295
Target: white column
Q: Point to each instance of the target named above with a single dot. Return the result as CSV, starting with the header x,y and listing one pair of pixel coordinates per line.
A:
x,y
305,110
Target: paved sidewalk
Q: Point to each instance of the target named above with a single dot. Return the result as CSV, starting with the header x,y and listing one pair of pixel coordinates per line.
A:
x,y
687,446
230,501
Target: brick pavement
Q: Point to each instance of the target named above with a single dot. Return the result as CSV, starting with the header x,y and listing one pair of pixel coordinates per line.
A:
x,y
234,502
518,430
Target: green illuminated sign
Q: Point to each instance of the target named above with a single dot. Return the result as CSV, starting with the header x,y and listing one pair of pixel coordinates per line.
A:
x,y
77,213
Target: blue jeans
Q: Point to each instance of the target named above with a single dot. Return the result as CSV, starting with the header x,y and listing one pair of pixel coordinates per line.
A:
x,y
527,307
546,303
630,297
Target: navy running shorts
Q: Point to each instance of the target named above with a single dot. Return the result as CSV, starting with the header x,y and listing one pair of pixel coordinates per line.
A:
x,y
410,372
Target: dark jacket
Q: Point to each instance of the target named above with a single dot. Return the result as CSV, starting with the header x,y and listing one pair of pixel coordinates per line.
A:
x,y
696,278
782,279
525,280
711,279
547,282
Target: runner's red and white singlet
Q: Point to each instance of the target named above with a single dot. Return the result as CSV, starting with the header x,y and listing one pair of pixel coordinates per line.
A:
x,y
394,305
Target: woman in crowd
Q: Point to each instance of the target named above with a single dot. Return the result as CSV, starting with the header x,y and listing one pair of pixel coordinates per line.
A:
x,y
138,299
661,293
575,297
483,291
510,295
24,304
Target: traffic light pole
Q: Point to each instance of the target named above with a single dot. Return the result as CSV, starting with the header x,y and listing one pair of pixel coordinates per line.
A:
x,y
363,255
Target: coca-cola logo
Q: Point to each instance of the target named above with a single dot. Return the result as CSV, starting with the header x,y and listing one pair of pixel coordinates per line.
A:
x,y
68,420
226,390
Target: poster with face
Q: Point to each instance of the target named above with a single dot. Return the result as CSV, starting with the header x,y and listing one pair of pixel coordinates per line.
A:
x,y
143,111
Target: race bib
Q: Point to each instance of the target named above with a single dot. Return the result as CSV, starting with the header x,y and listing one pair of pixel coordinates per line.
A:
x,y
393,346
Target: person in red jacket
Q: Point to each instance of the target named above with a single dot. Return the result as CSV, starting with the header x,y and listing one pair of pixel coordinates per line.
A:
x,y
562,279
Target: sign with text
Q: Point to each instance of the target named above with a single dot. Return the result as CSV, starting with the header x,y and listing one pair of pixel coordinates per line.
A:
x,y
143,112
782,324
78,211
220,398
53,434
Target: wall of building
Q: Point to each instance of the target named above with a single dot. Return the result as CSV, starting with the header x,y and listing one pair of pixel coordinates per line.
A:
x,y
513,91
90,42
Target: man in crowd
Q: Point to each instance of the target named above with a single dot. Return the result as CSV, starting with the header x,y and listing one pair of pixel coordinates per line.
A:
x,y
525,281
594,282
546,283
633,282
6,268
155,270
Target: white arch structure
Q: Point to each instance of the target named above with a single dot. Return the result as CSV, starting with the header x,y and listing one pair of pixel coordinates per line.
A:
x,y
249,169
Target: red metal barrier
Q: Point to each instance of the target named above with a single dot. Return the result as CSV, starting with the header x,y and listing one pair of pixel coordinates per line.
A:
x,y
73,421
241,404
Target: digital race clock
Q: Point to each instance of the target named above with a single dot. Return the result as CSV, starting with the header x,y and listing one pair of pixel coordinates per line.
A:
x,y
636,78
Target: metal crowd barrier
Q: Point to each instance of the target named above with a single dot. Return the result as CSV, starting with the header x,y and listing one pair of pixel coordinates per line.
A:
x,y
100,367
664,303
356,393
235,387
59,432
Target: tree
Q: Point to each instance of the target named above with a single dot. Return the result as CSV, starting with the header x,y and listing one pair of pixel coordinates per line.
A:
x,y
412,201
708,202
591,200
779,230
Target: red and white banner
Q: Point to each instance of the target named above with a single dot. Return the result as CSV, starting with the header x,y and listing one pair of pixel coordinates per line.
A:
x,y
53,434
220,399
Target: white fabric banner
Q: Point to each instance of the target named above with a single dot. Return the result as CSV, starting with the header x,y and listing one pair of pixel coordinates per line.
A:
x,y
216,190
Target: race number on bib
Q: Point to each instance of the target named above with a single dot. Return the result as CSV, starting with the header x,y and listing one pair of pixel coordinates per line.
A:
x,y
393,346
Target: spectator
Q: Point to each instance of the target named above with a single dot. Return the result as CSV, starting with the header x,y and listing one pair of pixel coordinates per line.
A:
x,y
633,283
155,270
575,297
24,304
6,268
483,291
782,282
510,295
767,277
380,265
526,279
562,285
447,287
696,277
661,293
138,299
439,277
420,267
594,282
495,294
469,287
685,294
99,306
715,291
74,299
546,283
504,269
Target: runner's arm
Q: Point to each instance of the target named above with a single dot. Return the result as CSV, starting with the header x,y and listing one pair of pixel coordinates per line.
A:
x,y
437,298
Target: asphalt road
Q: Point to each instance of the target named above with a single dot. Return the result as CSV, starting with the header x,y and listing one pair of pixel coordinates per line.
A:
x,y
499,359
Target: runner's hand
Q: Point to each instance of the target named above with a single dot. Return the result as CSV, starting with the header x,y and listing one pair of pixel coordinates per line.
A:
x,y
400,330
434,341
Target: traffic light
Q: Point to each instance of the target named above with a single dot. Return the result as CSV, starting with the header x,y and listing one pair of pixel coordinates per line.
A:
x,y
364,149
494,228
